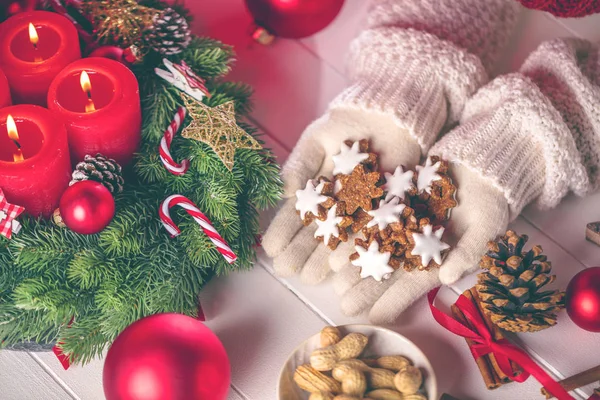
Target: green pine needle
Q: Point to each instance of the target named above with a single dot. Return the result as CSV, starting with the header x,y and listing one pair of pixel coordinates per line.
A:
x,y
83,290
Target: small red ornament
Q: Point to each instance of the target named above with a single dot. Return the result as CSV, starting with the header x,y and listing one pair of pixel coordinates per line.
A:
x,y
9,8
294,18
564,8
166,357
87,207
583,299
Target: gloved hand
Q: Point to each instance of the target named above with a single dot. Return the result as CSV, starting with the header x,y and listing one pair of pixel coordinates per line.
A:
x,y
411,73
482,213
528,136
293,245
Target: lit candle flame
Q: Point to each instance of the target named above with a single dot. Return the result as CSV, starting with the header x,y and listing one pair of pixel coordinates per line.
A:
x,y
86,85
33,38
13,134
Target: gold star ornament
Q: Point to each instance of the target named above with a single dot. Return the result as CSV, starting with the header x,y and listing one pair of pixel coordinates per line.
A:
x,y
216,126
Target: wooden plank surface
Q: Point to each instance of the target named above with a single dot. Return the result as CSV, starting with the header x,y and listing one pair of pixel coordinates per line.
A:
x,y
85,381
233,395
261,319
260,323
22,378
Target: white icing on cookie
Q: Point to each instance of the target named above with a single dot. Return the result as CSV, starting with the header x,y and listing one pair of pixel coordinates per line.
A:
x,y
399,183
386,213
373,263
429,245
337,186
427,175
329,227
309,199
348,158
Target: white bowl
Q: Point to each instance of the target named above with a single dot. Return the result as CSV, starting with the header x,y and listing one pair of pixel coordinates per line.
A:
x,y
382,342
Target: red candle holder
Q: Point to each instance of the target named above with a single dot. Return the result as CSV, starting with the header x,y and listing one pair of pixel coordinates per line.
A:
x,y
112,126
5,99
38,180
30,64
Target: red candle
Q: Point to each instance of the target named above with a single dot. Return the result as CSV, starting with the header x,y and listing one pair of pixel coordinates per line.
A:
x,y
5,99
34,47
35,168
99,101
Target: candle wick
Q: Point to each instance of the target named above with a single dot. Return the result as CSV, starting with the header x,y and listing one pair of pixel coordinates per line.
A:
x,y
36,57
90,106
17,144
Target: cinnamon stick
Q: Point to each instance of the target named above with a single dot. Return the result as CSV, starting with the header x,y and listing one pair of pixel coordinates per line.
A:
x,y
491,380
496,334
576,381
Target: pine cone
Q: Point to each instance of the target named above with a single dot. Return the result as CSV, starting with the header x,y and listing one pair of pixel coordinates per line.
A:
x,y
100,169
510,289
170,33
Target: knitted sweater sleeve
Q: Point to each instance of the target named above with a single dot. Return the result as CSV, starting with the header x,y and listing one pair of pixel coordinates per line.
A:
x,y
535,135
419,61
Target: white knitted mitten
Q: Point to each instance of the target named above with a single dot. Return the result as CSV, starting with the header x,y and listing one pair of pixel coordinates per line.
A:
x,y
412,71
292,245
482,212
529,136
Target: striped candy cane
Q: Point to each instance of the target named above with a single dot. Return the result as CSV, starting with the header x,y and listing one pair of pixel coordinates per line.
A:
x,y
201,219
165,144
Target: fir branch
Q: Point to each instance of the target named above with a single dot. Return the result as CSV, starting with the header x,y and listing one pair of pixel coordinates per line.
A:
x,y
47,295
44,247
223,92
209,58
148,166
180,184
18,325
83,340
216,199
121,300
133,268
89,268
198,247
261,177
126,234
159,108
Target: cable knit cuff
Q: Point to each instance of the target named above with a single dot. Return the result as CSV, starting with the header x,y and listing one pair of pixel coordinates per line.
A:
x,y
480,27
511,135
567,71
406,91
416,77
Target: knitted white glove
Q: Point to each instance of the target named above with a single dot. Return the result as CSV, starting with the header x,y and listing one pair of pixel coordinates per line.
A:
x,y
292,245
524,137
411,73
481,214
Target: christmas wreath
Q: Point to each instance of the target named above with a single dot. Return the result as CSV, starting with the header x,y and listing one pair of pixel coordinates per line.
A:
x,y
81,291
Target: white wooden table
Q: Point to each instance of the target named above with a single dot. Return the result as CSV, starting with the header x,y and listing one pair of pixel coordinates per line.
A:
x,y
261,318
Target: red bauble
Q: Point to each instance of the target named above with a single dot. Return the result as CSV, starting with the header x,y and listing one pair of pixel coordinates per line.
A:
x,y
87,207
583,299
9,8
294,18
166,357
564,8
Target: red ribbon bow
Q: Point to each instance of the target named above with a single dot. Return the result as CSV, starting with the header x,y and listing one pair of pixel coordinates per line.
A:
x,y
503,350
8,212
